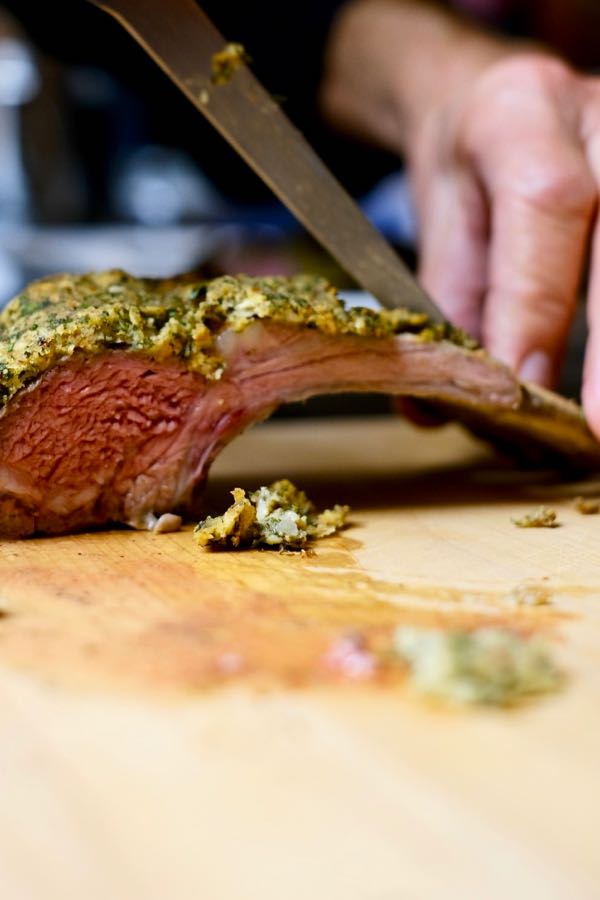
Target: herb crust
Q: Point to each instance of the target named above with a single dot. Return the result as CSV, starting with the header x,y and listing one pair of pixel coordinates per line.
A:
x,y
175,319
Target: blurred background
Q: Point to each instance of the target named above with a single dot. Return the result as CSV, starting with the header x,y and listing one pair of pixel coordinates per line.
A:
x,y
104,164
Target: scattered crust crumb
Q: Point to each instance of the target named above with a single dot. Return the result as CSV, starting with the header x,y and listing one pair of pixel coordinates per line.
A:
x,y
226,61
542,517
530,593
303,552
488,666
278,515
587,506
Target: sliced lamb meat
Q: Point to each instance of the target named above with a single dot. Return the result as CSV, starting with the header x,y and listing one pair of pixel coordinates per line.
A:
x,y
118,393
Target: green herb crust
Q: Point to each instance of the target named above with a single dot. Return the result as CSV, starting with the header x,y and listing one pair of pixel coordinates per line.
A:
x,y
489,666
176,319
279,515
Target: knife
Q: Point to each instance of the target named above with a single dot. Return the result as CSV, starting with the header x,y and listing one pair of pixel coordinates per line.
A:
x,y
180,37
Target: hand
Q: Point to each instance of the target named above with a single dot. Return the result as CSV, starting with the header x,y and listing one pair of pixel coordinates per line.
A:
x,y
503,146
506,179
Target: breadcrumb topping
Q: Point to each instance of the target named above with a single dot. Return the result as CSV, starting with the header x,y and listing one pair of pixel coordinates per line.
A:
x,y
176,319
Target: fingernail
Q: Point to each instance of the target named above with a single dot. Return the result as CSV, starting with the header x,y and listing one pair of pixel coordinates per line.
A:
x,y
538,368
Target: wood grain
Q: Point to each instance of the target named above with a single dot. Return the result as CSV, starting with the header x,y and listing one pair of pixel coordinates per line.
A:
x,y
134,764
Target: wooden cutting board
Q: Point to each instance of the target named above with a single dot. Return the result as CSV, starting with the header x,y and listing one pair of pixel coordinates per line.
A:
x,y
171,724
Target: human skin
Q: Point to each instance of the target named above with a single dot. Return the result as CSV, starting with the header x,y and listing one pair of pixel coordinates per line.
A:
x,y
502,142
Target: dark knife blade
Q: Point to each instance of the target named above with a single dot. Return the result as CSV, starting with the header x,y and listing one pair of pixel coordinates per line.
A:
x,y
183,41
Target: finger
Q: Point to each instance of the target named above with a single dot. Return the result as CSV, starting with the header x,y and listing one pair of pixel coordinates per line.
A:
x,y
591,371
453,247
543,203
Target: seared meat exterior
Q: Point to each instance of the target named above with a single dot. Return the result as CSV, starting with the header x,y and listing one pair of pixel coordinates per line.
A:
x,y
117,393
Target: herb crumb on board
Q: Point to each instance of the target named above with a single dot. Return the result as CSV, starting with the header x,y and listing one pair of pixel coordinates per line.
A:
x,y
489,666
278,515
542,517
530,593
587,506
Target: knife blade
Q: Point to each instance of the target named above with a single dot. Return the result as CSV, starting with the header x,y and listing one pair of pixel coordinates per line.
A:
x,y
181,38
